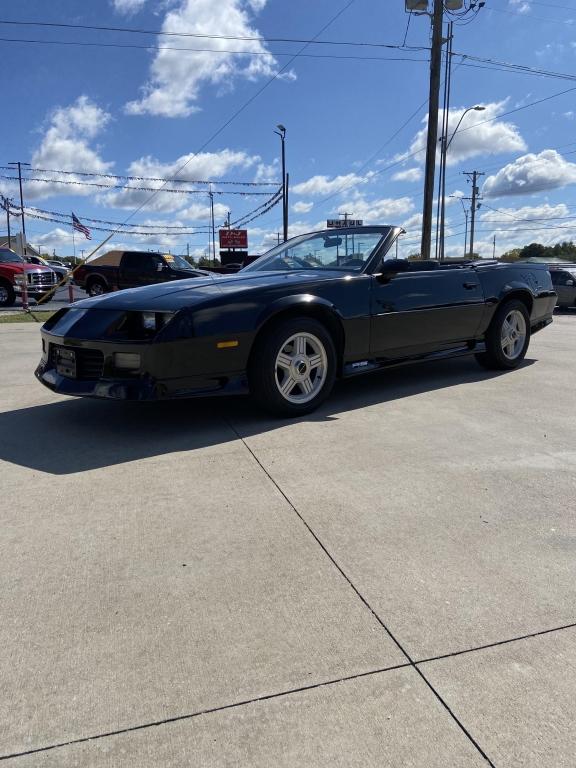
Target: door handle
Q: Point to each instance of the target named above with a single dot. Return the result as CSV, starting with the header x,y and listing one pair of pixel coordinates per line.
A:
x,y
470,286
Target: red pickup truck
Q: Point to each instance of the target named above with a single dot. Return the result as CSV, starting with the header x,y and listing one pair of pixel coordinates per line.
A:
x,y
14,271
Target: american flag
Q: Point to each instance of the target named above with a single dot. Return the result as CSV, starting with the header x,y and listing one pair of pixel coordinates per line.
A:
x,y
77,224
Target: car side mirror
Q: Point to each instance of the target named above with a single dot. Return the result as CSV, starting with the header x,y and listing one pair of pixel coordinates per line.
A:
x,y
392,267
160,266
570,282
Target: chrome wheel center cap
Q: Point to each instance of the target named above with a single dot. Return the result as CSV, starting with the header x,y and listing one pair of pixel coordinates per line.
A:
x,y
300,368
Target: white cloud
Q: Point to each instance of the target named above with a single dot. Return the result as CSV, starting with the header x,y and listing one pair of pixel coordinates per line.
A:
x,y
176,77
128,7
531,173
474,136
411,174
270,172
519,217
201,212
204,166
54,238
387,210
521,6
302,207
66,146
324,185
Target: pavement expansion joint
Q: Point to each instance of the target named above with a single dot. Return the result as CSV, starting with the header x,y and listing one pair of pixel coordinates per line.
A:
x,y
496,643
362,598
199,713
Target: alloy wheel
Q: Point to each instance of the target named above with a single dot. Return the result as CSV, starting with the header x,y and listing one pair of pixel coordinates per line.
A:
x,y
513,334
301,367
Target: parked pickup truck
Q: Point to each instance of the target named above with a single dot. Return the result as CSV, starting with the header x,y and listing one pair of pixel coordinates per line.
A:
x,y
116,270
317,307
14,271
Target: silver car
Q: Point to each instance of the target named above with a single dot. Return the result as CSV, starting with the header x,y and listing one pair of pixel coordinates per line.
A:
x,y
564,282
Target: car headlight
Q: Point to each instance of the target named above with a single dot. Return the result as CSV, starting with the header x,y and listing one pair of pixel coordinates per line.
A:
x,y
153,321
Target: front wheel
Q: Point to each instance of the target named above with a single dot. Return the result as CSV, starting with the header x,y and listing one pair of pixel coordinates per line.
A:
x,y
293,367
507,337
96,287
7,295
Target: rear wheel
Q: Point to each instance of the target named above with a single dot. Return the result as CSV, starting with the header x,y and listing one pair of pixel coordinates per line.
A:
x,y
293,367
508,337
96,287
7,295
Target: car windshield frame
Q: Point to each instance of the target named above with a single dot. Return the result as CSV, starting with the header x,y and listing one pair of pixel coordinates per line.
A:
x,y
14,257
261,264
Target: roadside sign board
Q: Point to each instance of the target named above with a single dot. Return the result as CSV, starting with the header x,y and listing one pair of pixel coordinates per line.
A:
x,y
233,238
340,223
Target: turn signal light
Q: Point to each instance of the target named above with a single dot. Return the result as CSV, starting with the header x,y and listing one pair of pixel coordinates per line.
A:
x,y
128,361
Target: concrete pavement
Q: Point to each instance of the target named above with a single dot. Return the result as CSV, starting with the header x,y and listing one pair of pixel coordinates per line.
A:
x,y
389,582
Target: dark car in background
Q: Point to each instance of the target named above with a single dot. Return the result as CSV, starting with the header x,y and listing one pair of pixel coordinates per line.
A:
x,y
117,270
317,307
564,282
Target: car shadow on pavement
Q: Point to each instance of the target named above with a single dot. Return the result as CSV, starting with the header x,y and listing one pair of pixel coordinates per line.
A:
x,y
78,435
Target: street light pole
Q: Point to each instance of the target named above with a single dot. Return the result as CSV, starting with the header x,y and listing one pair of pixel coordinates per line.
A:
x,y
445,144
19,165
282,133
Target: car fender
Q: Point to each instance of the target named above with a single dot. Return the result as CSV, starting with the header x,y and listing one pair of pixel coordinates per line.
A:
x,y
303,300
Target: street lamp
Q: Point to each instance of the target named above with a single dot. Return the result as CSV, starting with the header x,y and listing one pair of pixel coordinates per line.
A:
x,y
445,145
477,108
282,133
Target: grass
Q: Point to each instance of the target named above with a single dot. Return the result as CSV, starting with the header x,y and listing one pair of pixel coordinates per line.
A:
x,y
25,317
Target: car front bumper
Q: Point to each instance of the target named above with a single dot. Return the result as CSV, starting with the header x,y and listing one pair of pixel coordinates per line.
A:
x,y
166,372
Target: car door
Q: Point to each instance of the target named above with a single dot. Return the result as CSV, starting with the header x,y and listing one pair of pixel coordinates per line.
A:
x,y
422,310
565,286
140,268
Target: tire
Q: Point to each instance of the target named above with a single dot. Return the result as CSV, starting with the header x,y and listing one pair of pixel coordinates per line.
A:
x,y
507,338
96,287
299,350
7,295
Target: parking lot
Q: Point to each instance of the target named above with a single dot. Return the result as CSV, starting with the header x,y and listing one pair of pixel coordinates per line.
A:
x,y
389,582
61,298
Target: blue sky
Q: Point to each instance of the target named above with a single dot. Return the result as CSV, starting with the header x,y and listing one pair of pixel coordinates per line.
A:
x,y
138,112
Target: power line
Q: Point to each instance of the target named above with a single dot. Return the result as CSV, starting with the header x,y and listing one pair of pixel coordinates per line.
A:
x,y
66,219
161,33
85,44
130,188
150,178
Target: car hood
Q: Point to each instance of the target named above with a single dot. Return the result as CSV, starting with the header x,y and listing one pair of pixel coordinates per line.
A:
x,y
16,268
175,295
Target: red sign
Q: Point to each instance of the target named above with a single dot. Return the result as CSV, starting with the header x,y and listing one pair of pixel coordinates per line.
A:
x,y
233,238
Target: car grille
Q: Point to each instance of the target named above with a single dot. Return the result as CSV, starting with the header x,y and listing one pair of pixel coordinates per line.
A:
x,y
89,362
42,278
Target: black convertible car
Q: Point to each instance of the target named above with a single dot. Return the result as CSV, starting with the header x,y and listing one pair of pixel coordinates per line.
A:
x,y
319,306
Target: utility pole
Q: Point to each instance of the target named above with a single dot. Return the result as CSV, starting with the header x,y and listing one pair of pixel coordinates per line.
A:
x,y
494,247
6,205
475,205
432,134
19,165
282,133
213,228
227,224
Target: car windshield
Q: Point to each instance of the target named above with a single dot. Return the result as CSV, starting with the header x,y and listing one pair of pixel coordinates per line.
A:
x,y
9,257
177,262
341,249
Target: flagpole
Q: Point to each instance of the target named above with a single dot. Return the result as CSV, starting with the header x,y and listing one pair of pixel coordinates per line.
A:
x,y
73,238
